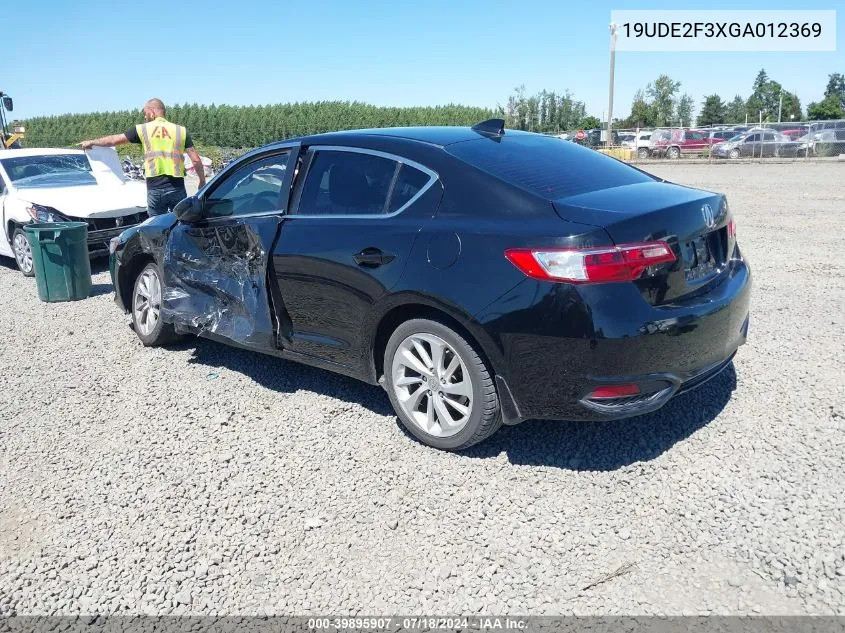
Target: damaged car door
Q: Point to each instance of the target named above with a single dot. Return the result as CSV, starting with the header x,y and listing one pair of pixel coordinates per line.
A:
x,y
215,262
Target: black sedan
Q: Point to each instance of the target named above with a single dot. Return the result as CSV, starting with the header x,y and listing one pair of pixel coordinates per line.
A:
x,y
481,276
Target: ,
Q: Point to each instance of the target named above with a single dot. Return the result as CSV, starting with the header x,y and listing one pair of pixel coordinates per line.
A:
x,y
59,185
482,276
